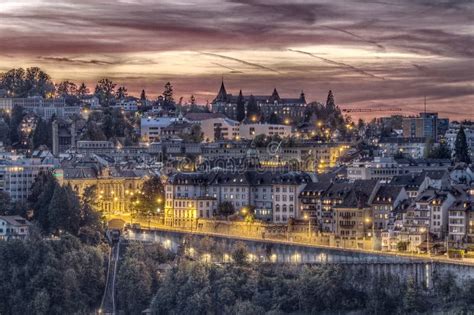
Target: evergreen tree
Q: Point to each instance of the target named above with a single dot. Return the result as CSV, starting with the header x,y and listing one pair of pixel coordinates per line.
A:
x,y
122,93
192,100
461,150
330,104
15,121
442,151
143,96
42,134
253,112
168,94
82,91
105,91
240,107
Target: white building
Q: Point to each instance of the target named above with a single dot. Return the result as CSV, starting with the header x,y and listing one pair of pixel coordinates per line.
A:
x,y
411,147
150,127
220,129
13,227
249,131
17,176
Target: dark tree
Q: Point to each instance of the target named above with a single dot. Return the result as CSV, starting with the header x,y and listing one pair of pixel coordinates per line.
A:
x,y
105,91
330,104
240,107
143,95
226,208
192,100
168,94
440,152
461,149
66,88
274,119
15,121
122,93
253,112
151,197
83,90
42,134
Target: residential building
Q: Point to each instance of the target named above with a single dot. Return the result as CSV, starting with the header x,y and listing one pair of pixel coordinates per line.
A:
x,y
14,227
249,131
409,147
220,129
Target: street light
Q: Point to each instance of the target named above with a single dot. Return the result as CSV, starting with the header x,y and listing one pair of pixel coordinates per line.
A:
x,y
368,220
306,217
423,230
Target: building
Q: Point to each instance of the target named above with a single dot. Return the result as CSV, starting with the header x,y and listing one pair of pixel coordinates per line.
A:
x,y
220,129
150,128
288,109
46,108
426,125
14,227
188,210
18,175
352,214
459,214
95,147
273,195
249,131
386,200
115,187
409,147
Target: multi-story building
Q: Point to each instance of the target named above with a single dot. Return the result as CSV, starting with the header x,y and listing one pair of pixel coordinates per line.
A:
x,y
249,131
352,214
150,128
387,198
459,214
14,227
186,210
18,175
410,147
426,125
115,187
43,107
273,195
215,129
288,109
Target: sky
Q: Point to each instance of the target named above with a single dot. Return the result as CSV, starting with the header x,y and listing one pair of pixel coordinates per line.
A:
x,y
386,54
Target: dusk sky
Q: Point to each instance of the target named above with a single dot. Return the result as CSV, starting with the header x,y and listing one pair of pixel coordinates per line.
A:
x,y
387,53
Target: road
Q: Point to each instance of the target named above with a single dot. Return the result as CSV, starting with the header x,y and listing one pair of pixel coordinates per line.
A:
x,y
154,225
108,305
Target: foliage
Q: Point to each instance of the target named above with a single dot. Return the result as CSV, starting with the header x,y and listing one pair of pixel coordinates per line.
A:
x,y
402,246
138,275
50,277
42,134
105,91
240,254
253,112
226,208
442,151
240,107
461,149
168,94
151,197
26,82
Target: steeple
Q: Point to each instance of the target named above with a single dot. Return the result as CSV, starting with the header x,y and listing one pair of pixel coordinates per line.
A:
x,y
222,95
275,96
302,97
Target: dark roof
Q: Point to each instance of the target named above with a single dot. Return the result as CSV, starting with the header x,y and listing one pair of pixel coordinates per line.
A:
x,y
408,181
436,174
387,194
400,140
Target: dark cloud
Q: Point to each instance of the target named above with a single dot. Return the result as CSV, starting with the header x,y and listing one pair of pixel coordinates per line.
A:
x,y
420,47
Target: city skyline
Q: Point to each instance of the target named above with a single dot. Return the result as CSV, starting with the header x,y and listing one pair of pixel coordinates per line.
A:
x,y
370,53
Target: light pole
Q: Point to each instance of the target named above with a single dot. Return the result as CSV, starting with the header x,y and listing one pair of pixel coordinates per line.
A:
x,y
368,220
306,217
427,230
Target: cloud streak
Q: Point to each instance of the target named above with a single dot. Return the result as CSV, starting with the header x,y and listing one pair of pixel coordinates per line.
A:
x,y
339,64
251,64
